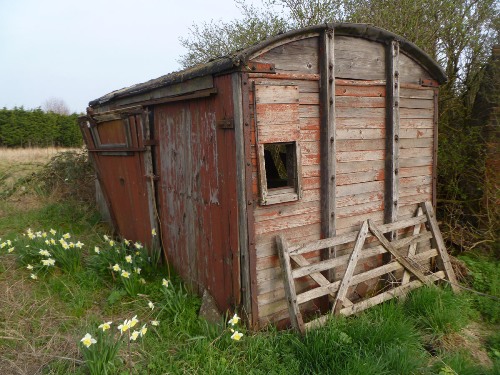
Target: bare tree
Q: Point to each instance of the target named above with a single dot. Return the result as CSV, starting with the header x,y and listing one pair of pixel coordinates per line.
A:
x,y
56,105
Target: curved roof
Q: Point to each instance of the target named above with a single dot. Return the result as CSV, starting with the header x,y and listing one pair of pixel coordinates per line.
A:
x,y
228,63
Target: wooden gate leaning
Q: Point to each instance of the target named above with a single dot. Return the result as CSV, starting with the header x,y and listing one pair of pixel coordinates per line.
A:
x,y
369,241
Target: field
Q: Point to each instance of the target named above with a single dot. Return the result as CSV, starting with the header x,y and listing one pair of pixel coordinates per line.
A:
x,y
46,310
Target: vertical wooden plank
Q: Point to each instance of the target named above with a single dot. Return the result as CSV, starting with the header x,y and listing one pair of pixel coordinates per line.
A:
x,y
438,242
253,312
327,137
291,296
351,265
241,192
412,249
392,135
435,150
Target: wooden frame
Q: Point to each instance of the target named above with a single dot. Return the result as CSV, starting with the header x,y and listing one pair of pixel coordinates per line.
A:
x,y
402,250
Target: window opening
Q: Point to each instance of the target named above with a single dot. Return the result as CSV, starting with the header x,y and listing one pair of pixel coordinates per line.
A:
x,y
280,161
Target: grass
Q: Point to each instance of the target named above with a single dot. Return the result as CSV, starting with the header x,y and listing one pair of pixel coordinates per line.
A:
x,y
43,321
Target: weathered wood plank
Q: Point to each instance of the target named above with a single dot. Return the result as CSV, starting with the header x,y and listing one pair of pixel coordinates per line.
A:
x,y
438,242
353,260
416,103
343,133
366,113
360,102
359,177
295,314
422,93
365,123
364,187
412,248
411,71
359,91
276,94
364,166
358,58
349,156
395,253
360,144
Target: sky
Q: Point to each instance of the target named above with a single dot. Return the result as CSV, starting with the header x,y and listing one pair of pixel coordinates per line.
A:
x,y
78,51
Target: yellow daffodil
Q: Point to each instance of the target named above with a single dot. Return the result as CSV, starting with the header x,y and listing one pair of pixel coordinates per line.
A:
x,y
10,250
153,232
236,336
33,276
44,234
105,326
79,245
96,249
164,283
125,326
66,236
134,321
111,243
142,281
234,320
48,262
143,330
47,242
128,259
3,244
138,245
137,270
44,253
155,323
126,242
71,244
134,335
137,253
88,340
31,236
29,266
116,267
151,305
125,274
52,241
52,231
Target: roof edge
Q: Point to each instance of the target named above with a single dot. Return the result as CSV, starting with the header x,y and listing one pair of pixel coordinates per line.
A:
x,y
227,63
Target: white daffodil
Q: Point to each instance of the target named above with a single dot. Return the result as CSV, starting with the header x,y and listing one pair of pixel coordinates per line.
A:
x,y
33,276
143,330
29,266
105,326
96,249
66,236
125,274
10,250
106,238
52,231
236,336
128,259
111,243
79,245
234,320
44,253
137,270
142,281
125,326
151,305
52,241
126,242
138,245
134,335
116,267
134,321
165,283
153,232
88,340
48,262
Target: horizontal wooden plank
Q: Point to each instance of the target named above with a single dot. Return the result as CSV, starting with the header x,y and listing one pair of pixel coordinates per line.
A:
x,y
358,58
365,123
362,166
359,209
276,94
416,103
422,93
288,222
361,112
309,98
416,133
357,199
410,70
415,162
416,113
307,110
359,177
362,91
350,156
264,213
360,144
306,83
360,102
416,143
416,152
364,187
419,123
425,170
343,133
273,114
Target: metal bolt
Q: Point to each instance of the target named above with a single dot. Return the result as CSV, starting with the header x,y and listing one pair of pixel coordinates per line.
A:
x,y
396,171
396,103
396,137
248,164
330,66
332,139
331,100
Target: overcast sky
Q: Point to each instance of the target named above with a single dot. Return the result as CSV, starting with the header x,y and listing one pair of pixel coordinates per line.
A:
x,y
80,50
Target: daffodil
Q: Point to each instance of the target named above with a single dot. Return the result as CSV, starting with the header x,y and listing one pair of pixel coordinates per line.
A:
x,y
39,234
134,335
33,276
31,236
137,270
151,305
71,244
96,249
62,241
234,320
66,236
164,283
44,253
125,326
236,336
52,241
153,232
79,245
128,259
127,242
155,323
142,281
52,231
10,250
138,245
47,242
125,274
88,340
116,267
29,266
44,234
105,326
48,262
106,238
143,330
134,321
3,244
